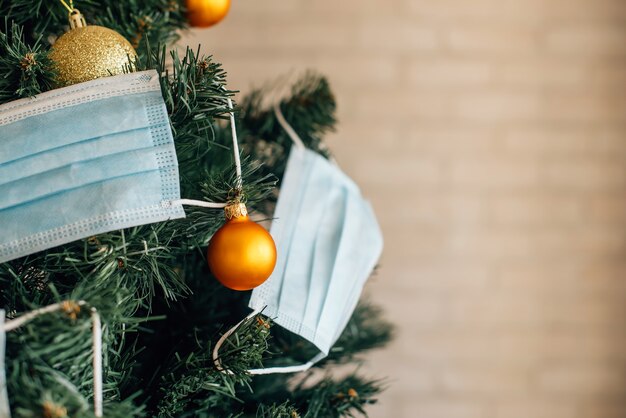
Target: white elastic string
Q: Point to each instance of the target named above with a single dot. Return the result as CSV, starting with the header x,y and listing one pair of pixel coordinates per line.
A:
x,y
233,130
290,131
27,317
216,350
97,362
215,205
200,203
269,370
96,344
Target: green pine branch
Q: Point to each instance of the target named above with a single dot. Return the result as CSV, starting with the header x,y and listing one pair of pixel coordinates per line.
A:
x,y
337,398
26,69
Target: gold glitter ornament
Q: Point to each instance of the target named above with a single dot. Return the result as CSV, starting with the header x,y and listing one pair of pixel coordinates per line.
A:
x,y
88,52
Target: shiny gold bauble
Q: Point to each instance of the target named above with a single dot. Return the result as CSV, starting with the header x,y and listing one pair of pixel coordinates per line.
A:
x,y
205,13
89,52
241,254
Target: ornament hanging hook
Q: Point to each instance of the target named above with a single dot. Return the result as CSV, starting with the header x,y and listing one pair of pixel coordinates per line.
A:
x,y
77,20
75,17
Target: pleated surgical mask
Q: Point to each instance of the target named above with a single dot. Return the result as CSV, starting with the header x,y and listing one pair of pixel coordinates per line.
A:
x,y
84,160
328,242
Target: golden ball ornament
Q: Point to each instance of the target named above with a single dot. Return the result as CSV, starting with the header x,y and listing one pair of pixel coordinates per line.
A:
x,y
205,13
241,254
87,52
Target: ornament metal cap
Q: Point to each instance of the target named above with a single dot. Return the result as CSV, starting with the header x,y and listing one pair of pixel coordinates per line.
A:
x,y
235,210
77,20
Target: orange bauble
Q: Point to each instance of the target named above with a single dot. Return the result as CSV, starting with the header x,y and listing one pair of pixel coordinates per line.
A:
x,y
241,254
205,13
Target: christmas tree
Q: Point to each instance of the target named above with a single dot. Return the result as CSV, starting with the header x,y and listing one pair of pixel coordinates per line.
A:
x,y
161,311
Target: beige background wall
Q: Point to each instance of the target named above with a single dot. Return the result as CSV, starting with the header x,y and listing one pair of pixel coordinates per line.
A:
x,y
491,137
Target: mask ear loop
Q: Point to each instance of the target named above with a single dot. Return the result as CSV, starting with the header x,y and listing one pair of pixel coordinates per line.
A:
x,y
216,205
293,135
297,141
96,342
269,370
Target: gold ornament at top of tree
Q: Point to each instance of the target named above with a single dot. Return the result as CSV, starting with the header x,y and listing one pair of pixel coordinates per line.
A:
x,y
87,52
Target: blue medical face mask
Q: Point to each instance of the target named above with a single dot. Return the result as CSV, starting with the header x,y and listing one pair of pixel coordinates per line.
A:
x,y
328,243
84,160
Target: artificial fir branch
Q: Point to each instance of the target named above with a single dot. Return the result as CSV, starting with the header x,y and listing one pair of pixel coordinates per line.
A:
x,y
194,384
283,410
142,22
26,69
340,398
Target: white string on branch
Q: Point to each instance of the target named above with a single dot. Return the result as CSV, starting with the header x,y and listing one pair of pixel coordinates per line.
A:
x,y
217,361
96,335
287,127
233,130
239,184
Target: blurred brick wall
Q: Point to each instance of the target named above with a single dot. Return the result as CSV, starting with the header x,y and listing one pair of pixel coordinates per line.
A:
x,y
491,137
